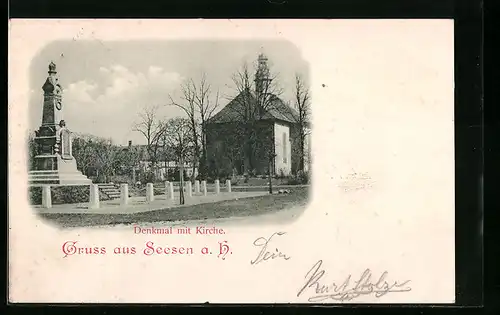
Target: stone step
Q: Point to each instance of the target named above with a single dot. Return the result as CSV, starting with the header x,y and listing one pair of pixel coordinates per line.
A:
x,y
45,176
111,190
114,197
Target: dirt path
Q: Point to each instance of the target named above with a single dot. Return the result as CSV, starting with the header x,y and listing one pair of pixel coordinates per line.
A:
x,y
281,217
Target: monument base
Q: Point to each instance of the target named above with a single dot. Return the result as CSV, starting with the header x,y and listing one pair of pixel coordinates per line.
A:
x,y
61,172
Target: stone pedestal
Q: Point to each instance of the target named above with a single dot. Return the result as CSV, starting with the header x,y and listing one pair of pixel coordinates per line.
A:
x,y
53,169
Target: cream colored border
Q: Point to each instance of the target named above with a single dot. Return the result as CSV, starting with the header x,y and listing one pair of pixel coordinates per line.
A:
x,y
392,121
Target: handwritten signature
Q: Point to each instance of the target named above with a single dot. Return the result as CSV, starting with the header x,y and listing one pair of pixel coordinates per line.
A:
x,y
349,289
264,254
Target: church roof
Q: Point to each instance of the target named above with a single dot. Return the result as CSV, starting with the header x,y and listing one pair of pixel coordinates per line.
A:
x,y
233,111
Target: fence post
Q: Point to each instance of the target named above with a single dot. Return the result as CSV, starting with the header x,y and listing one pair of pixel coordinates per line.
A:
x,y
46,197
166,188
217,186
123,194
94,196
197,186
150,194
171,190
204,187
228,185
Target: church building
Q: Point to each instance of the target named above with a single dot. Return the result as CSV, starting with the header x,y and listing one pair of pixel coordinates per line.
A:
x,y
256,131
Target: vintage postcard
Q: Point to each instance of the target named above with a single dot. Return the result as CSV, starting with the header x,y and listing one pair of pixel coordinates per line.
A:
x,y
231,161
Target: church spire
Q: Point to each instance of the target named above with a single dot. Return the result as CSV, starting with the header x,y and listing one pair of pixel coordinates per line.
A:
x,y
262,76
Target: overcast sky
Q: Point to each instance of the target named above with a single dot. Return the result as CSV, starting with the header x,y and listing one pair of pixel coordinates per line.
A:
x,y
107,84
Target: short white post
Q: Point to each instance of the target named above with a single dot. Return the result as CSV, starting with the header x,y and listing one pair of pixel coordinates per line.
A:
x,y
171,190
189,189
166,188
217,186
228,185
197,186
204,187
150,195
123,194
94,196
46,197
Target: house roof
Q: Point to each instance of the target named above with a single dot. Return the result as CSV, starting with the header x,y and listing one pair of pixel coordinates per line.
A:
x,y
232,112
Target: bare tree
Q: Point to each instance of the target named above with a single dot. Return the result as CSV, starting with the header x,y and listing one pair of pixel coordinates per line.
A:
x,y
303,108
256,95
106,155
205,107
196,102
187,104
179,139
97,153
152,129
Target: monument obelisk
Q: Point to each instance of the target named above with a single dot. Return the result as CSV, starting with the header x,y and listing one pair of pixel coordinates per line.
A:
x,y
55,164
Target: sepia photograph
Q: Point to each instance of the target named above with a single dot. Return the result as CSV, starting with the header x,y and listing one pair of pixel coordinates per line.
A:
x,y
151,131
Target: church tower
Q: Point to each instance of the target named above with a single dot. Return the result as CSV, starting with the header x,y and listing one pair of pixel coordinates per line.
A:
x,y
262,76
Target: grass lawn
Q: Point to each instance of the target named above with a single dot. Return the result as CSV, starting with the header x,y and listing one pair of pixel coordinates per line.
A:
x,y
223,209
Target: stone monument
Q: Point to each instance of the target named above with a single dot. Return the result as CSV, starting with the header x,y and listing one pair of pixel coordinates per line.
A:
x,y
55,164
